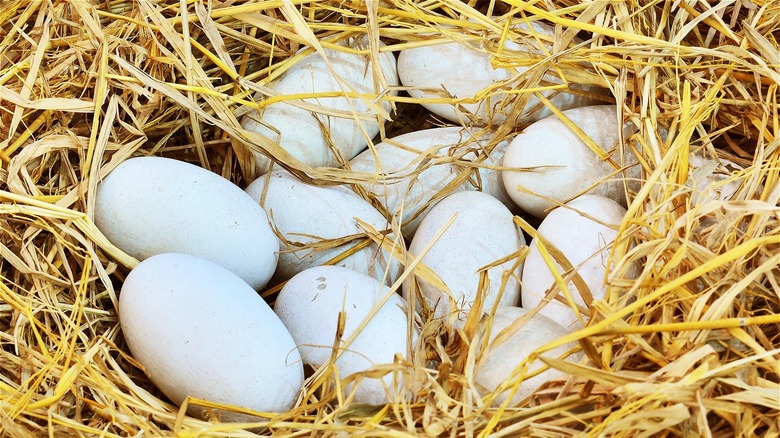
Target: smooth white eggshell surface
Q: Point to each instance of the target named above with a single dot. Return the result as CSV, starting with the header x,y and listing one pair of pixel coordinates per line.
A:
x,y
154,205
495,367
549,161
407,192
200,331
453,69
309,305
306,214
585,243
482,233
305,132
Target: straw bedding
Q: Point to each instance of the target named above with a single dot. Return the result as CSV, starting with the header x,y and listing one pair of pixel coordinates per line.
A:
x,y
85,85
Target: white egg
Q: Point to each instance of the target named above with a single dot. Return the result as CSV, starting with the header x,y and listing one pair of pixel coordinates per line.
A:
x,y
455,69
200,331
305,214
586,243
495,366
482,233
153,205
408,193
309,305
309,133
550,163
709,179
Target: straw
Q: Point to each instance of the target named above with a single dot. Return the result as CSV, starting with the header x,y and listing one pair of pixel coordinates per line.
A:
x,y
689,347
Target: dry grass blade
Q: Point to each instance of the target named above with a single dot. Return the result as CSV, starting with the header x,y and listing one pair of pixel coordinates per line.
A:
x,y
689,348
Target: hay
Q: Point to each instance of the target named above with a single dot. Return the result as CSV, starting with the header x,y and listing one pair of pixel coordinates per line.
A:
x,y
85,85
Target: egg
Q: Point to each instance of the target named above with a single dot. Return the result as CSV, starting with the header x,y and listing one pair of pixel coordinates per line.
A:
x,y
154,205
309,305
547,164
710,179
463,71
310,128
304,215
584,231
497,362
408,193
482,233
200,331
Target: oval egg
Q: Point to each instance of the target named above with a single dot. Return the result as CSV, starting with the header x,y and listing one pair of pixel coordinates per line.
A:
x,y
497,362
548,162
586,244
290,205
154,205
455,70
308,128
309,305
408,171
482,233
200,331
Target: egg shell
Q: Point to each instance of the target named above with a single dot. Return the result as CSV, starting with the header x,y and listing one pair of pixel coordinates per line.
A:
x,y
453,69
495,366
305,214
482,232
309,305
710,179
154,205
585,243
201,331
552,162
309,134
407,193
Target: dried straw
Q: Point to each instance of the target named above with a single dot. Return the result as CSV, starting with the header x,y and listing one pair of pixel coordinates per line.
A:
x,y
689,348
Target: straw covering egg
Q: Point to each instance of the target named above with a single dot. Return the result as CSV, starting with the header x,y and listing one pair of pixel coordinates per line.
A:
x,y
412,169
290,205
309,128
583,231
449,70
548,163
506,350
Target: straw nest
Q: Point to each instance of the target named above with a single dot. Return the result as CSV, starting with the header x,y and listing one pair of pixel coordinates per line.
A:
x,y
84,85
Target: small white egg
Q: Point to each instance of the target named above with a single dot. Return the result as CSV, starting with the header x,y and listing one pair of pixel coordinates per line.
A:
x,y
154,205
496,365
309,133
409,194
305,214
482,233
585,243
309,305
550,163
455,69
201,331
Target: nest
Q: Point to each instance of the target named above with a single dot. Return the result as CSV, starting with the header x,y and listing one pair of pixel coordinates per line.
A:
x,y
86,85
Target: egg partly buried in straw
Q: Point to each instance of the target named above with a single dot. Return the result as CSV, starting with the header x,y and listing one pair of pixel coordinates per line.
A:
x,y
309,305
308,240
411,170
499,362
482,233
486,93
154,205
548,163
584,231
200,331
324,129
